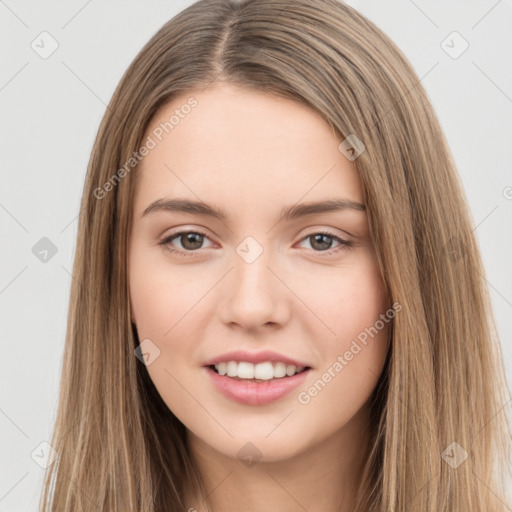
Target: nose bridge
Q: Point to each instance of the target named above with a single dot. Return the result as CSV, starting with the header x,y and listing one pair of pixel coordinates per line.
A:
x,y
255,296
252,274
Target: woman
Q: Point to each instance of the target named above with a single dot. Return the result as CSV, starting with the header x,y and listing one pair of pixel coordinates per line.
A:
x,y
278,301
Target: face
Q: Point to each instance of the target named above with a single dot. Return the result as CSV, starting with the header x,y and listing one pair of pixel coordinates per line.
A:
x,y
303,287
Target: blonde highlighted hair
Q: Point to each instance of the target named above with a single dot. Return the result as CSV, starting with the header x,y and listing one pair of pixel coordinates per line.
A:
x,y
120,448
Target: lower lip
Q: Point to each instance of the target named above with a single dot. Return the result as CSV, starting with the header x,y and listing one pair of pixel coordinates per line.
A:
x,y
256,393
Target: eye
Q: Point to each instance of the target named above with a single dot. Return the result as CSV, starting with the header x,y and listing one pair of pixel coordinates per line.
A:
x,y
191,242
323,242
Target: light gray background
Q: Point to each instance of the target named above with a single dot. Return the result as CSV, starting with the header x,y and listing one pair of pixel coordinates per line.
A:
x,y
50,112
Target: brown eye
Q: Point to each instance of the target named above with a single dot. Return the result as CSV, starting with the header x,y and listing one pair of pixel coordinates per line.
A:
x,y
190,242
322,242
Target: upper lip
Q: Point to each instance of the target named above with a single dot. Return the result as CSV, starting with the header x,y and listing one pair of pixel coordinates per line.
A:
x,y
255,357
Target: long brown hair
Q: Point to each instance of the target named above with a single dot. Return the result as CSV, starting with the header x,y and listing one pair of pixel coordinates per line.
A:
x,y
441,396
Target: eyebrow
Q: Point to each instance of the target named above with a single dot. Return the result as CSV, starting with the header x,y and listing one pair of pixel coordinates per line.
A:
x,y
287,213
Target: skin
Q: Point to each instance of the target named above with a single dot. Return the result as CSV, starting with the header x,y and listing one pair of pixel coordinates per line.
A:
x,y
252,154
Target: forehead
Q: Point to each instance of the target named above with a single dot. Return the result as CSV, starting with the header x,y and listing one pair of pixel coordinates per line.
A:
x,y
247,147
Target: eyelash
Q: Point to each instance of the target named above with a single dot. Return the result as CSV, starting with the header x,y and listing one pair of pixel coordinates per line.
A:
x,y
344,244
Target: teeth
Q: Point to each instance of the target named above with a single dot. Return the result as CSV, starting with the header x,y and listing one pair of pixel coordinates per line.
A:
x,y
260,371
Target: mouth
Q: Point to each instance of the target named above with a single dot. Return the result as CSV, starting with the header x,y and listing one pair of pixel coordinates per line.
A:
x,y
275,378
244,388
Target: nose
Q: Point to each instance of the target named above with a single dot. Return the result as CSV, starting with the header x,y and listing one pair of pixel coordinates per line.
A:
x,y
254,295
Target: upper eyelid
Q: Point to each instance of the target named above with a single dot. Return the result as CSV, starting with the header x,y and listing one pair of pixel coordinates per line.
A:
x,y
182,232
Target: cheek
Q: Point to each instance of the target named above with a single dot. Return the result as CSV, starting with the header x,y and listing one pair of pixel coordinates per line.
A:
x,y
348,301
166,306
354,306
161,295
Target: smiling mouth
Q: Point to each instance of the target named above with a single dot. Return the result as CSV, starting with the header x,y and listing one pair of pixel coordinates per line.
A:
x,y
273,379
